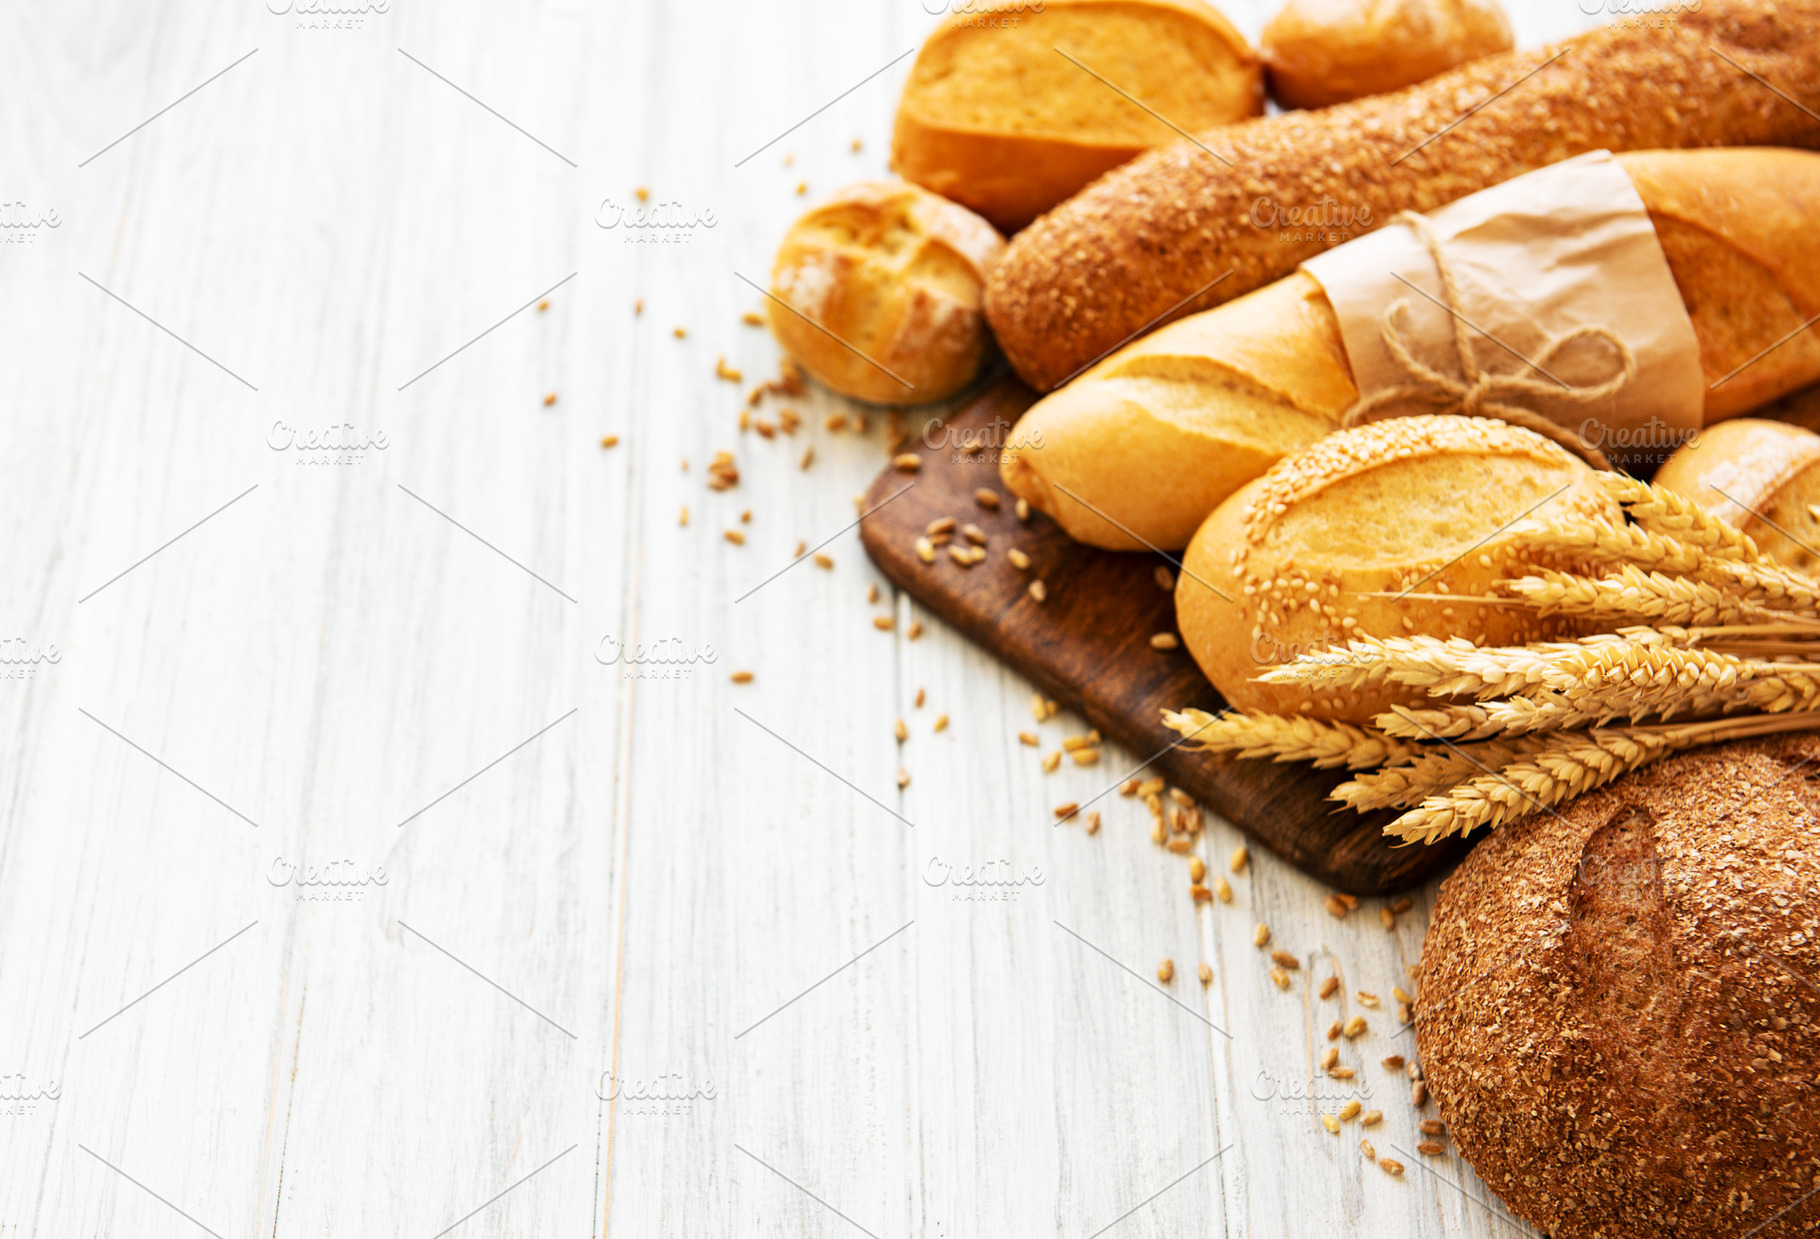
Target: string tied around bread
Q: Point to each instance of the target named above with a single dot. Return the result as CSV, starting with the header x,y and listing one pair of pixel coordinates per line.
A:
x,y
1478,392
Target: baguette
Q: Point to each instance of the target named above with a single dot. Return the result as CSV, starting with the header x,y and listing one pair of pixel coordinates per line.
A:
x,y
1325,546
1144,241
1318,53
1137,451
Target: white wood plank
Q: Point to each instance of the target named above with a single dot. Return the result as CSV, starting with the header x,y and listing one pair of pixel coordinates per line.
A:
x,y
653,881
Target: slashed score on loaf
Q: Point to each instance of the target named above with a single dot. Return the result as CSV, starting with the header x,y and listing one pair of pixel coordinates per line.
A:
x,y
1356,535
894,272
1004,114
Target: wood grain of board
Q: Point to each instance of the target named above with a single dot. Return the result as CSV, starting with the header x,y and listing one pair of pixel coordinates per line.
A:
x,y
1087,646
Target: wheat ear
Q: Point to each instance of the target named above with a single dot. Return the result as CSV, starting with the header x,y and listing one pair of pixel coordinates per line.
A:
x,y
1569,764
1327,745
1436,770
1633,594
1665,511
1771,586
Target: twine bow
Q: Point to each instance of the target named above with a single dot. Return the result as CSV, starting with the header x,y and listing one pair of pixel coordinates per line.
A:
x,y
1481,393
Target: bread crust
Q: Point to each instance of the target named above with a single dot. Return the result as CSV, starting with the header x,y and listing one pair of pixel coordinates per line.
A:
x,y
895,272
1616,1013
1321,52
1146,240
1349,535
1009,168
1763,477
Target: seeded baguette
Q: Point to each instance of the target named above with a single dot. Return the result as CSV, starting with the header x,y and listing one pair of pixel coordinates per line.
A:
x,y
1142,241
1143,446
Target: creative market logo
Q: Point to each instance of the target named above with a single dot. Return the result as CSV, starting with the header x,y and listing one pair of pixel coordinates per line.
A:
x,y
20,659
339,444
339,881
660,1096
657,223
994,881
327,14
667,658
21,223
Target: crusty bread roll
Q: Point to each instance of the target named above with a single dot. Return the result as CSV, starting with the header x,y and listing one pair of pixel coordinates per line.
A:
x,y
881,292
1291,564
1140,448
1321,52
1617,1013
1146,240
1763,477
995,119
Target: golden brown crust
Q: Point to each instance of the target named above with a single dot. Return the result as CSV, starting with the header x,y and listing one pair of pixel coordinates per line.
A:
x,y
1763,477
1328,543
1619,1012
1738,227
1137,451
1145,239
995,118
1321,52
895,272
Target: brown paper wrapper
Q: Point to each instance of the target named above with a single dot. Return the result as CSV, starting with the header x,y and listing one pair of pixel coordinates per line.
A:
x,y
1567,246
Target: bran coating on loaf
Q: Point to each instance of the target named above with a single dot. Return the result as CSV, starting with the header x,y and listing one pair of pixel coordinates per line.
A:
x,y
1618,1014
1137,244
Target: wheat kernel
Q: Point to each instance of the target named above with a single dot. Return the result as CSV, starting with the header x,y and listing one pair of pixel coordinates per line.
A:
x,y
1039,591
941,722
1286,959
1066,811
1433,1127
1260,935
1280,977
1239,856
884,623
824,561
1197,869
1023,510
1330,1058
1164,641
1223,889
907,462
742,677
1330,1123
1431,1148
1390,1165
1368,1000
1371,1154
1371,1118
1051,762
1329,987
1093,823
1165,971
1018,559
1205,973
1350,1110
1393,1063
1418,1094
1333,1031
987,498
900,731
1355,1026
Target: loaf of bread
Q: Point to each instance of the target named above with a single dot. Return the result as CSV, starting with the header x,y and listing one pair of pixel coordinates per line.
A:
x,y
877,293
1321,52
1147,240
1763,477
1138,450
1350,536
1616,1012
1004,113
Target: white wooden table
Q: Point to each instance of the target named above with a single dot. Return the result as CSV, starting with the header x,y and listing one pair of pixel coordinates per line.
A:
x,y
594,949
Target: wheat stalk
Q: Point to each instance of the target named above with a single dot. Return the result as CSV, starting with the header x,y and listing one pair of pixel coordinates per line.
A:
x,y
1601,541
1434,772
1632,594
1444,667
1327,745
1569,764
1665,511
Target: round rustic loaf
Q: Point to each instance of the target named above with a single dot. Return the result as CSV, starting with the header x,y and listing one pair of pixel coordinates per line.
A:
x,y
880,288
1322,52
1619,1013
1008,108
1763,477
1327,544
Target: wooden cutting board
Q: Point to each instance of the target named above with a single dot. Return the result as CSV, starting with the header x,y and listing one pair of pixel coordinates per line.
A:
x,y
1088,647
